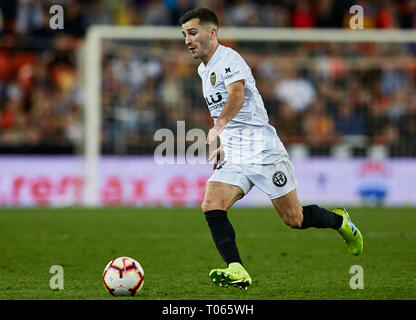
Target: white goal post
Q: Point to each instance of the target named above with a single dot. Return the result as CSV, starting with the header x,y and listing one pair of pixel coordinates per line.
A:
x,y
93,68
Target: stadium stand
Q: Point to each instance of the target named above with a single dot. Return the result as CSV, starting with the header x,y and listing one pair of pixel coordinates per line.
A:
x,y
322,107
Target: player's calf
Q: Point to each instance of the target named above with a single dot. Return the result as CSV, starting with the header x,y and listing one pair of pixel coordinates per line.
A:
x,y
304,217
292,218
317,217
289,209
223,235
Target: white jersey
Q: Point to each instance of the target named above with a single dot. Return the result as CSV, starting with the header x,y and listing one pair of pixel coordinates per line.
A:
x,y
248,137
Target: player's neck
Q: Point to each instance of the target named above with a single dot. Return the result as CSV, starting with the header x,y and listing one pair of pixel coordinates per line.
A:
x,y
208,57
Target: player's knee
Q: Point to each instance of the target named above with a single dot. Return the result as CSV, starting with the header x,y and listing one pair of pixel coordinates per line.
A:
x,y
205,206
208,205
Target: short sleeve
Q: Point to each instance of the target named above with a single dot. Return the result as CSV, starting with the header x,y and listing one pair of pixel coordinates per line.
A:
x,y
234,68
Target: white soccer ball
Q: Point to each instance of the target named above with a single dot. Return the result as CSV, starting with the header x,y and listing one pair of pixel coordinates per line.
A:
x,y
123,277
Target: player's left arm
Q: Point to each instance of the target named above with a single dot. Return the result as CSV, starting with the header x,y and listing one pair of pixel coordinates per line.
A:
x,y
232,106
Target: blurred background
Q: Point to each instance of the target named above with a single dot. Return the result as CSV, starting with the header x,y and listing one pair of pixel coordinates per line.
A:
x,y
340,102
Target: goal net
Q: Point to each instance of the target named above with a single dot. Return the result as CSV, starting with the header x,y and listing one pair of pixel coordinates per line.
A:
x,y
333,94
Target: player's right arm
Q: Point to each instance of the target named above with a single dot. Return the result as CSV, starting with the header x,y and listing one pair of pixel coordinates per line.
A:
x,y
232,106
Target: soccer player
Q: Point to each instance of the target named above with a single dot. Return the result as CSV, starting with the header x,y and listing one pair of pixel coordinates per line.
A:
x,y
241,121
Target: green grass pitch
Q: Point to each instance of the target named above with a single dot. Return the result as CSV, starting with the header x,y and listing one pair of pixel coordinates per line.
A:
x,y
175,248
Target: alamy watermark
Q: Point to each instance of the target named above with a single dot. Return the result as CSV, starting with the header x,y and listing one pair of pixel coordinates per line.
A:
x,y
357,280
57,20
244,146
57,280
357,20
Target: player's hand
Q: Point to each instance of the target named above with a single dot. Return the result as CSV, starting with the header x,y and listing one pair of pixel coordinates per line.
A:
x,y
213,133
218,155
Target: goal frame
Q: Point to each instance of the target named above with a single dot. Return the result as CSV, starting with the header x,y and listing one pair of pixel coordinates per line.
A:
x,y
93,69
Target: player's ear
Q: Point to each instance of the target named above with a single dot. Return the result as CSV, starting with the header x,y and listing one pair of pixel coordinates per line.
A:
x,y
213,33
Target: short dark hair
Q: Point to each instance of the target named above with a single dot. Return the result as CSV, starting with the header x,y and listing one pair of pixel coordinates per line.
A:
x,y
205,15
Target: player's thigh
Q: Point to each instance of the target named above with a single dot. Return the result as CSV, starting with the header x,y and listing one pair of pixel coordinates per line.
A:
x,y
289,208
220,196
275,179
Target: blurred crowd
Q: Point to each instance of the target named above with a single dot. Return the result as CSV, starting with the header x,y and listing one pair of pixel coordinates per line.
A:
x,y
318,95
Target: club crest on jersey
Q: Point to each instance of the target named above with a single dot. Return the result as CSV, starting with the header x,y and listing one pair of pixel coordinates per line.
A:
x,y
213,78
279,179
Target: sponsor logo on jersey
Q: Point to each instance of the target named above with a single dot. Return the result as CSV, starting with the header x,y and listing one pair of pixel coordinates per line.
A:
x,y
212,100
231,75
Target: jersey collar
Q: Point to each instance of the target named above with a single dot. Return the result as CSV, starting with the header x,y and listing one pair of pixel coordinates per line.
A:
x,y
214,57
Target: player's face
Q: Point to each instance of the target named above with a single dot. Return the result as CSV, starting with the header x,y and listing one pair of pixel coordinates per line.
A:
x,y
197,38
